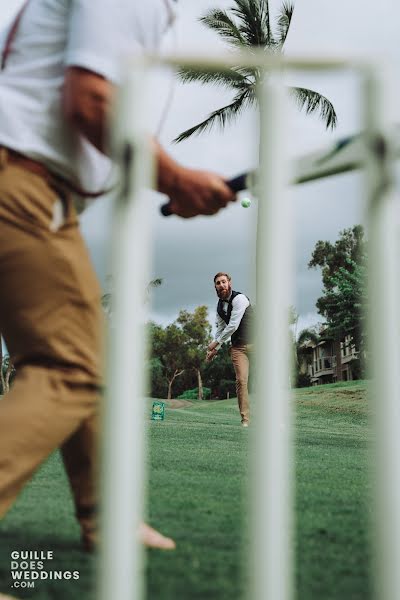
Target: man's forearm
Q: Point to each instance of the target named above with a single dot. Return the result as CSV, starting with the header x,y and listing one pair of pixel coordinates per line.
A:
x,y
225,335
86,103
167,169
87,99
220,326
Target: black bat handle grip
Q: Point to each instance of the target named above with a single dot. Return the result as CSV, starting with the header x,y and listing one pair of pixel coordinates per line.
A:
x,y
237,185
165,210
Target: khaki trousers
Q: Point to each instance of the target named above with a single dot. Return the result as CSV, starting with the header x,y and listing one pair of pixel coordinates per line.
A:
x,y
51,320
240,360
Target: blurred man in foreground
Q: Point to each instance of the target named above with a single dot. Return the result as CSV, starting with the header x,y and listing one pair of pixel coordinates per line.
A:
x,y
60,68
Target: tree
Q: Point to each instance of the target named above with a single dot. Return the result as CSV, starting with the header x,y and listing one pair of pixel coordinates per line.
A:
x,y
247,25
7,372
197,331
309,334
219,374
181,350
168,345
343,267
302,354
153,283
106,299
156,378
344,302
330,257
1,364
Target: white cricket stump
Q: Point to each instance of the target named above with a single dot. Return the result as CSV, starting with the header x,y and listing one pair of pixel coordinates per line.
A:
x,y
383,211
123,475
270,565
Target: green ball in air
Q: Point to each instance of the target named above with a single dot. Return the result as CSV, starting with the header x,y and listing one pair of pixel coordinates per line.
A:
x,y
246,202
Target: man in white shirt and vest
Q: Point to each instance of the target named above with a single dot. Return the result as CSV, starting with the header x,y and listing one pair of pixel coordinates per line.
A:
x,y
233,322
59,70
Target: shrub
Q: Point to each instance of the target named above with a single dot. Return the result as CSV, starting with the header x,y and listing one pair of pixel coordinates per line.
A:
x,y
303,380
194,394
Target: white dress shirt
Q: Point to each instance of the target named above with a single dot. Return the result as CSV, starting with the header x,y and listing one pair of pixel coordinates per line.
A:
x,y
51,35
225,331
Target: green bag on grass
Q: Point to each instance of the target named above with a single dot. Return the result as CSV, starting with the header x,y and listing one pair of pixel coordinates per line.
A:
x,y
158,411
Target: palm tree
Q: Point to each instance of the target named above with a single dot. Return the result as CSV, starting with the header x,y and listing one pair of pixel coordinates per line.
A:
x,y
106,299
6,371
154,283
306,335
247,25
303,356
1,363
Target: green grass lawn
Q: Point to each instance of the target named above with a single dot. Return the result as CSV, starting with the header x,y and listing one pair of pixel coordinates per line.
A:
x,y
198,477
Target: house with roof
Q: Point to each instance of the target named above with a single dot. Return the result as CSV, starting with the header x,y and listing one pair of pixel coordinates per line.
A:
x,y
319,360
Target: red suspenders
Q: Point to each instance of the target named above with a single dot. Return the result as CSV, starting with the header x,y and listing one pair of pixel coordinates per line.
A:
x,y
32,165
4,56
11,35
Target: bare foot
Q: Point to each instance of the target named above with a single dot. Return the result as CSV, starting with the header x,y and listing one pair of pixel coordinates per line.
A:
x,y
147,536
154,539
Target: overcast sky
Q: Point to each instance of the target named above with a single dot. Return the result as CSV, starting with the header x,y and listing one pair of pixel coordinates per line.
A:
x,y
188,253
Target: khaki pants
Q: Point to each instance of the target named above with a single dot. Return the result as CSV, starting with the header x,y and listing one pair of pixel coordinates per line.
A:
x,y
51,320
240,360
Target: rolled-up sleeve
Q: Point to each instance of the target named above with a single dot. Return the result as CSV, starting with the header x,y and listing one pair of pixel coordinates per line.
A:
x,y
219,326
103,32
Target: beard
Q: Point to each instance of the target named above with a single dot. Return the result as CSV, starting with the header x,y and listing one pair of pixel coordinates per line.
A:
x,y
224,294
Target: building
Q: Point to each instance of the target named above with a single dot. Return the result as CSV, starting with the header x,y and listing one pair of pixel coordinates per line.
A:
x,y
319,361
324,366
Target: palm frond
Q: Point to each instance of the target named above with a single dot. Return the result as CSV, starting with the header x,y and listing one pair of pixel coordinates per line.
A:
x,y
260,8
307,335
232,79
254,22
247,24
220,21
266,23
314,102
222,116
106,300
250,73
155,283
283,22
